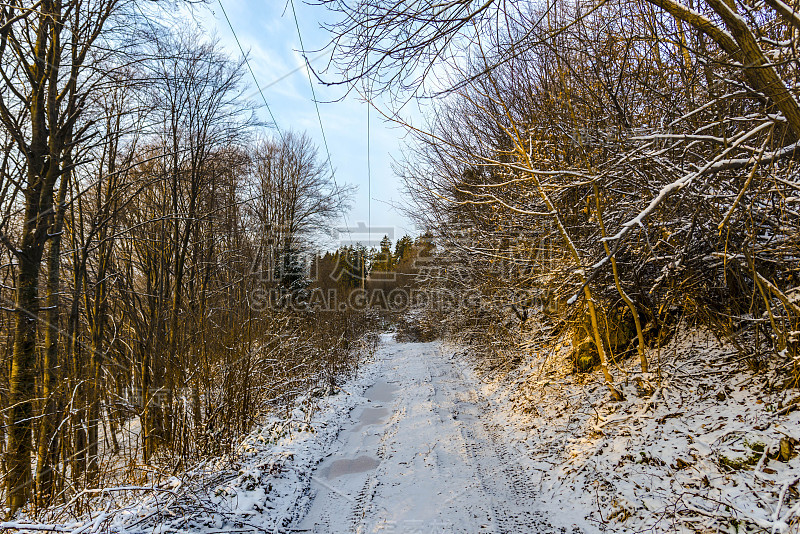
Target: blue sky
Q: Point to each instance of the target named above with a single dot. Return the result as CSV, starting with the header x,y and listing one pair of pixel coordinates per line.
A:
x,y
267,32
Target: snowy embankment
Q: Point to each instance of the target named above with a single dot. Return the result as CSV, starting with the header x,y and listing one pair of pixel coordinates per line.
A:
x,y
261,487
708,451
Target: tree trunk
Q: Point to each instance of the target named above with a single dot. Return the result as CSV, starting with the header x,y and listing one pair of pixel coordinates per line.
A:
x,y
47,453
22,381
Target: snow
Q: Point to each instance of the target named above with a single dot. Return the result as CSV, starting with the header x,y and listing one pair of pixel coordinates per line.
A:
x,y
421,454
719,162
406,446
419,441
698,455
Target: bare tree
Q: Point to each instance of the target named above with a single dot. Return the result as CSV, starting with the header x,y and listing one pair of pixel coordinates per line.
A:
x,y
593,119
46,83
132,208
295,198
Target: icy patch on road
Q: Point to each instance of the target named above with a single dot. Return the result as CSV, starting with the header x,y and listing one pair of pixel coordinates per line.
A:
x,y
274,467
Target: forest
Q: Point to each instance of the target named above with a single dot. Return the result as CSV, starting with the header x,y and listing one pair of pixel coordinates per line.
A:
x,y
142,207
591,180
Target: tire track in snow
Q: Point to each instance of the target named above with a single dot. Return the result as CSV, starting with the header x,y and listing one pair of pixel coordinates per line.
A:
x,y
433,464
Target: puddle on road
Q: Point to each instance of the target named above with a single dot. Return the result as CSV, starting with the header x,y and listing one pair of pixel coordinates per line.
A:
x,y
381,391
372,416
360,464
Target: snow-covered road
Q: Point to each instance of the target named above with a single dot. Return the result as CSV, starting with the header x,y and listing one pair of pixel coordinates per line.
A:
x,y
419,454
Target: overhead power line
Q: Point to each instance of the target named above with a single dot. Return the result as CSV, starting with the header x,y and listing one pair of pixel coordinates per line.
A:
x,y
369,179
316,106
247,62
311,84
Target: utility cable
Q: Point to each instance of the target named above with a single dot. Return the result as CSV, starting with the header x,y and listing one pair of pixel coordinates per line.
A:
x,y
316,106
311,84
258,86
